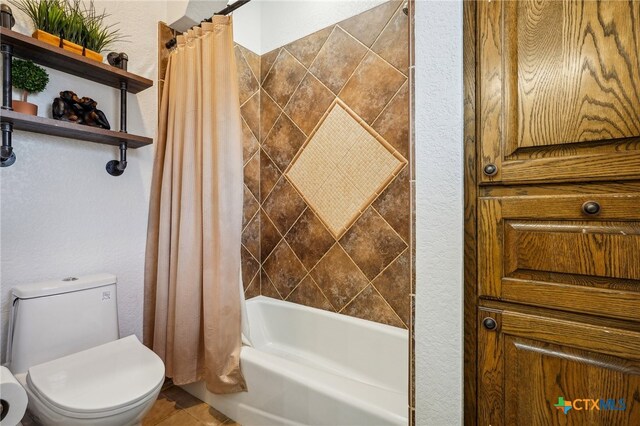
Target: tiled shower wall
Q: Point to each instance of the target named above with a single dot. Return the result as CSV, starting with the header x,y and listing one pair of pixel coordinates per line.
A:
x,y
294,246
349,250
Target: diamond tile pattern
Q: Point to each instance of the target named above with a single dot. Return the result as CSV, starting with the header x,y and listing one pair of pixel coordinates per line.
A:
x,y
338,277
337,59
345,168
283,142
284,269
285,75
325,143
283,206
372,243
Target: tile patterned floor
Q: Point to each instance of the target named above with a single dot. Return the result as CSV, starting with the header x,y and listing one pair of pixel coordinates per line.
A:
x,y
175,407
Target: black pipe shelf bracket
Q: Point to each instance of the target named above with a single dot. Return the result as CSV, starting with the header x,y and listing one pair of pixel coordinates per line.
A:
x,y
115,167
7,156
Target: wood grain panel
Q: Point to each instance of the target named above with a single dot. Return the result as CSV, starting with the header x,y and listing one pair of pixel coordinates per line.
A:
x,y
560,90
490,247
578,71
600,249
615,342
613,206
491,80
592,300
546,372
470,215
543,250
490,372
531,360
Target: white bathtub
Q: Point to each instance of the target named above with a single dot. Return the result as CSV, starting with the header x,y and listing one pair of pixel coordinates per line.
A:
x,y
312,367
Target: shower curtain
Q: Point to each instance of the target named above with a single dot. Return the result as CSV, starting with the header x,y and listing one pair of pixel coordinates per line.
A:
x,y
192,268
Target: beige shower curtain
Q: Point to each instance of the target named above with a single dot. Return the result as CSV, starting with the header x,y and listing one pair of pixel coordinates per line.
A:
x,y
192,292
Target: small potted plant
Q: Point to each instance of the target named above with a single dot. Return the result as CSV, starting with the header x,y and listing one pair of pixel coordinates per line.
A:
x,y
28,78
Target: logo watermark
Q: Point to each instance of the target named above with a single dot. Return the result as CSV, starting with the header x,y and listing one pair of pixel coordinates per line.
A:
x,y
590,404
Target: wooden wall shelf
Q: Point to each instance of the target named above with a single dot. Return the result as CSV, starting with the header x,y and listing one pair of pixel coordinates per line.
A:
x,y
49,126
57,58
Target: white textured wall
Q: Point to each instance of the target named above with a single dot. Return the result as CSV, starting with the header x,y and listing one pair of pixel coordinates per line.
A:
x,y
263,25
439,212
61,213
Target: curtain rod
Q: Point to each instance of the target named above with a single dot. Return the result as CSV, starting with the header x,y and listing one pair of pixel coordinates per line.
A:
x,y
227,10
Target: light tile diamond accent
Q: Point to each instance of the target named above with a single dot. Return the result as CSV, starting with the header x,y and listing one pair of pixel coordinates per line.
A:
x,y
342,168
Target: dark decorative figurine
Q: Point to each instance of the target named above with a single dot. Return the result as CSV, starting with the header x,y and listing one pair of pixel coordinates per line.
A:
x,y
69,107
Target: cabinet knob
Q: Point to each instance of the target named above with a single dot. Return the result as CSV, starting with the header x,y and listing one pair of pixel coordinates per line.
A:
x,y
490,169
591,208
489,323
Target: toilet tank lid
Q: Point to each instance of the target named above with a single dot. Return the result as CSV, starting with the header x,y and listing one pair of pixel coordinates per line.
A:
x,y
64,285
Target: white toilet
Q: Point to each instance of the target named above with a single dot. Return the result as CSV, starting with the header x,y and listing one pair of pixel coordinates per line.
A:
x,y
65,351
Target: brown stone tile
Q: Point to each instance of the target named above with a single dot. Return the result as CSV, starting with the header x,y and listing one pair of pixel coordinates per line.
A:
x,y
249,208
267,288
306,48
372,243
180,418
371,87
251,236
371,306
284,77
207,415
309,103
269,113
393,123
309,239
367,25
338,277
269,175
308,293
283,142
269,236
162,408
394,204
337,59
284,205
249,142
284,269
393,43
250,111
394,284
247,83
266,62
252,175
182,398
254,288
250,267
253,59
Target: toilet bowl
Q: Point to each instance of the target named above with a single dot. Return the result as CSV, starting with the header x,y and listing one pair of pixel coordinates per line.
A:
x,y
65,351
114,384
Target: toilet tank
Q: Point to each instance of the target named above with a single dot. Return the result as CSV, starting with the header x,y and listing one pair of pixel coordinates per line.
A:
x,y
56,318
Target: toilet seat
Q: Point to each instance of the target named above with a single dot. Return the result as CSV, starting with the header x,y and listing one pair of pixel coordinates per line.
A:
x,y
99,382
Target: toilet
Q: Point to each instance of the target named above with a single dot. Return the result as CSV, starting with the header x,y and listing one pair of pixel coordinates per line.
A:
x,y
64,349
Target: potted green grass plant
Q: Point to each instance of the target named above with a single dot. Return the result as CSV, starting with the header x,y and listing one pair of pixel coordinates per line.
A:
x,y
71,24
28,78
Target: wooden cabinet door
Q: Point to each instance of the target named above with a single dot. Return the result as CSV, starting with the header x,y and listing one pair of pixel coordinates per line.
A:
x,y
531,366
544,250
559,90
